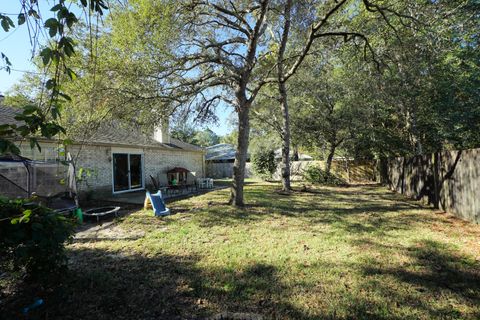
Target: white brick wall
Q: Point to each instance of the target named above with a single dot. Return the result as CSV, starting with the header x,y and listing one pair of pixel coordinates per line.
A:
x,y
158,162
98,161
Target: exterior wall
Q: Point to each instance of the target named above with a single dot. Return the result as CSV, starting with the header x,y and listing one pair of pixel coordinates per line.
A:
x,y
96,163
158,162
50,151
447,180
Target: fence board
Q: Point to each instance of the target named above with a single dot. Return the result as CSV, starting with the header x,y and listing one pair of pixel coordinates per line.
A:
x,y
448,180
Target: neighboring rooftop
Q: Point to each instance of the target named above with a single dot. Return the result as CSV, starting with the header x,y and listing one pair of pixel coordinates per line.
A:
x,y
226,152
221,152
112,133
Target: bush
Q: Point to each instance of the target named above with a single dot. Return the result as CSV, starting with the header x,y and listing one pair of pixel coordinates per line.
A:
x,y
263,163
316,175
32,239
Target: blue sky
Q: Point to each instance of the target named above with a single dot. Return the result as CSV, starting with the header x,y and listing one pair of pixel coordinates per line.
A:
x,y
15,44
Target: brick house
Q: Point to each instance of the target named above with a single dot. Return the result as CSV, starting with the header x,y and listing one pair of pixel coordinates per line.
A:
x,y
116,159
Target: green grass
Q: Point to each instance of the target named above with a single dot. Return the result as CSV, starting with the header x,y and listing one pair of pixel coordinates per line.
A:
x,y
331,253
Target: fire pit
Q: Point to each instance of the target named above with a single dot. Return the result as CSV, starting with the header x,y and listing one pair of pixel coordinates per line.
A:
x,y
100,212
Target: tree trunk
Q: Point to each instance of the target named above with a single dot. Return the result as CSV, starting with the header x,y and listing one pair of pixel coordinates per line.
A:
x,y
236,195
331,154
285,166
295,153
282,90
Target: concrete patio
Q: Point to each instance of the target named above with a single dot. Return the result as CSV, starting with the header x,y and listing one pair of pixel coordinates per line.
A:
x,y
138,197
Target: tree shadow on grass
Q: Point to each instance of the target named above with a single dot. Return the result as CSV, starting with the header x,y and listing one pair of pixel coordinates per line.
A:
x,y
350,209
117,285
437,273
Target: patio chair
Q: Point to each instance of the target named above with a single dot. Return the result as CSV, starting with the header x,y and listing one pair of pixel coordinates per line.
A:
x,y
201,183
158,205
209,183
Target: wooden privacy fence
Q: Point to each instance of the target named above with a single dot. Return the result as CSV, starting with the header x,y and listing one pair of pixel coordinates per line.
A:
x,y
448,180
350,171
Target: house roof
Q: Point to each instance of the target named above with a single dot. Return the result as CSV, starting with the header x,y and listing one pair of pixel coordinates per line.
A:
x,y
220,152
113,133
225,151
7,115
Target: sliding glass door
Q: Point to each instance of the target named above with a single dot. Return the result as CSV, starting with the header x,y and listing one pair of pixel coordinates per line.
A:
x,y
136,180
127,172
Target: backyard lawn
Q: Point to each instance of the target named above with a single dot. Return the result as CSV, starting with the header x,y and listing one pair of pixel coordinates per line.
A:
x,y
357,252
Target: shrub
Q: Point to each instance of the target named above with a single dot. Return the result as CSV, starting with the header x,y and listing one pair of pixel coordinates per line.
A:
x,y
263,163
32,238
316,175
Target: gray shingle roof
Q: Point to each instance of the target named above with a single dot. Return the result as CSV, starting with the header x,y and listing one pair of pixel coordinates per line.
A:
x,y
112,133
7,115
221,152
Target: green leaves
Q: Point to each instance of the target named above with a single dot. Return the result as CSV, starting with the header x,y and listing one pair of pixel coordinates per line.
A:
x,y
42,119
6,23
53,26
57,7
64,17
33,13
34,143
46,55
65,96
71,74
36,121
21,19
97,6
32,238
50,84
25,218
7,146
63,13
8,64
264,163
66,43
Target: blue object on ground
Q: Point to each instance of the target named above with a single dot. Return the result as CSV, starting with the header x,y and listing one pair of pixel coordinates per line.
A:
x,y
158,204
37,303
